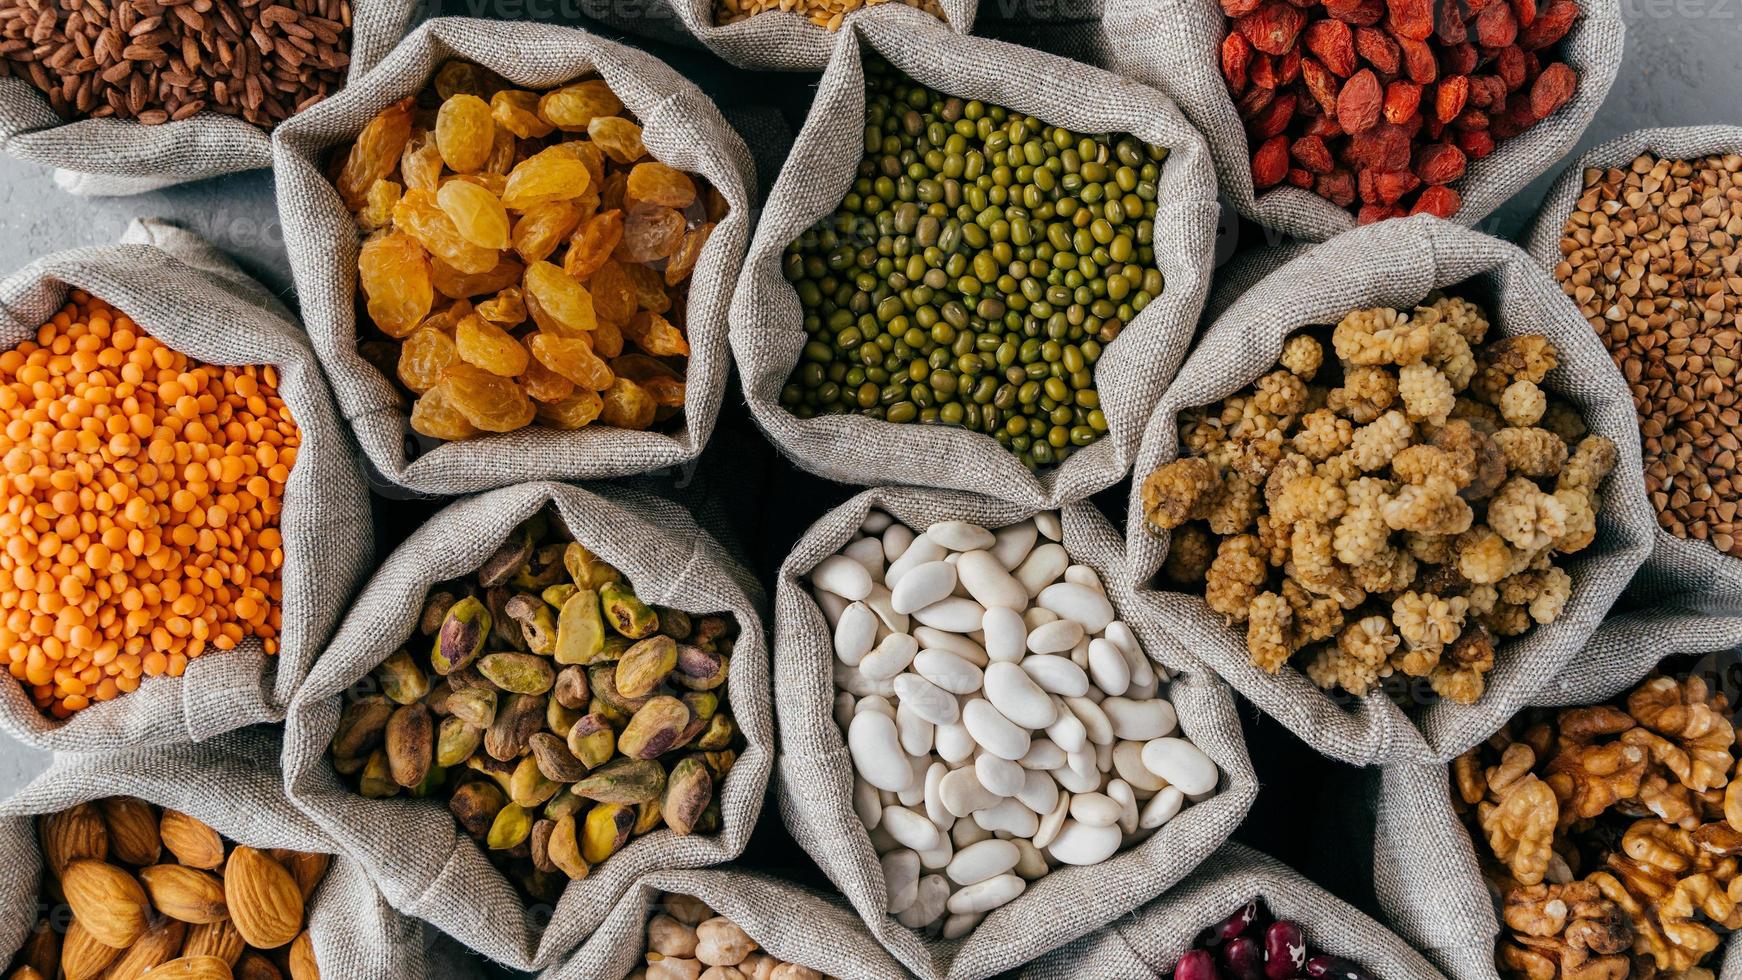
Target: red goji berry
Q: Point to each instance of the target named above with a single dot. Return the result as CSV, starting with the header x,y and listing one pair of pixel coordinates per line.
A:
x,y
1324,127
1288,67
1263,71
1372,213
1338,187
1472,118
1442,202
1402,100
1357,13
1450,96
1449,26
1410,18
1321,84
1440,163
1299,177
1419,62
1273,27
1392,185
1256,100
1550,25
1333,43
1275,117
1487,91
1239,8
1312,153
1476,143
1524,11
1459,59
1378,48
1384,147
1509,65
1359,102
1497,26
1270,163
1552,89
1236,58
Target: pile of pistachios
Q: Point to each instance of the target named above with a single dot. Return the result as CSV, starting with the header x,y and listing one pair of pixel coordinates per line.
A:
x,y
558,714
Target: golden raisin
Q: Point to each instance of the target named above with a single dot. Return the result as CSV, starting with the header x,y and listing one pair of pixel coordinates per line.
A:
x,y
476,213
653,182
650,291
627,405
435,416
507,308
541,383
455,284
593,244
371,158
572,107
425,357
490,347
456,77
573,358
377,211
613,293
572,412
548,175
564,300
650,233
465,132
683,261
619,138
488,401
607,339
517,111
420,166
543,227
660,379
656,335
418,215
395,277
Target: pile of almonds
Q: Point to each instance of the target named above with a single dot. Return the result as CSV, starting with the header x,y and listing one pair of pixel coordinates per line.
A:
x,y
1650,256
1385,102
162,60
157,892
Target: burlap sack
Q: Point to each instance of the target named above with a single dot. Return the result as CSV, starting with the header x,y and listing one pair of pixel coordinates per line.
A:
x,y
109,157
1679,569
1175,45
1149,942
423,863
778,40
789,921
233,784
767,334
815,784
1426,875
188,295
680,126
1396,263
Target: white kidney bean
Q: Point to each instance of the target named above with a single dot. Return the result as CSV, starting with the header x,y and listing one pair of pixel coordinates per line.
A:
x,y
1085,576
957,926
900,879
935,811
1107,667
1094,719
1067,732
869,553
983,860
896,540
855,633
1042,567
911,829
831,604
1006,634
1032,864
1182,764
938,858
1077,780
967,833
1050,824
916,732
881,603
928,907
1161,808
913,794
927,700
1057,636
1057,675
995,733
1095,809
876,751
1009,816
1078,602
953,742
954,614
920,551
1140,721
999,776
867,803
1128,763
923,585
962,793
989,583
1035,617
1048,524
983,896
1013,543
960,535
948,671
1017,697
875,702
845,702
876,522
850,680
842,576
1043,753
1039,791
1120,792
961,644
1080,843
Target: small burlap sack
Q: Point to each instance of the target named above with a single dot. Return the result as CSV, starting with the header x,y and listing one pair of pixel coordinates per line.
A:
x,y
778,40
1679,569
1175,45
1397,263
767,331
233,784
1426,874
788,921
422,861
110,157
191,297
815,784
680,126
1149,942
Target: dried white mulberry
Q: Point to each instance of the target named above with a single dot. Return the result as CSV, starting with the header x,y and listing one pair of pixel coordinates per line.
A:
x,y
1303,356
1269,633
1380,335
1427,394
1525,516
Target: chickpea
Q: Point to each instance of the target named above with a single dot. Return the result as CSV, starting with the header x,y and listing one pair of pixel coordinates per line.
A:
x,y
724,973
687,909
759,966
669,937
792,971
721,943
673,968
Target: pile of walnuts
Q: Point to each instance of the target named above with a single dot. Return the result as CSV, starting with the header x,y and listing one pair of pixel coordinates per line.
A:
x,y
1612,833
1389,515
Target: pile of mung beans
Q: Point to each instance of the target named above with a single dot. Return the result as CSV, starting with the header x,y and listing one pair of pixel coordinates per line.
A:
x,y
975,272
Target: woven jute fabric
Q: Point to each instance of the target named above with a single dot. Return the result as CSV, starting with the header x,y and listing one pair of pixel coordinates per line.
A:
x,y
680,126
233,784
767,322
1175,45
1426,874
1397,263
109,157
1679,570
422,861
814,782
788,921
779,40
186,294
1149,942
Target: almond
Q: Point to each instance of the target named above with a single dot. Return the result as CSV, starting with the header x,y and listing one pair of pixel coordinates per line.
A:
x,y
73,834
265,902
254,966
193,843
108,900
183,893
160,944
302,958
26,973
133,830
218,939
41,951
308,869
193,968
82,957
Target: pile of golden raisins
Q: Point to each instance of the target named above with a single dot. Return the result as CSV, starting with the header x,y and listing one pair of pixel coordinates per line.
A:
x,y
525,257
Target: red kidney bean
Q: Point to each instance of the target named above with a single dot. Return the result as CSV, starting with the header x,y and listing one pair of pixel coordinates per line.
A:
x,y
1199,964
1238,923
1243,959
1335,968
1285,952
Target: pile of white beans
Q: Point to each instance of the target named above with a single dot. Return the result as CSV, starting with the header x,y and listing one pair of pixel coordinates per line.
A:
x,y
1001,720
